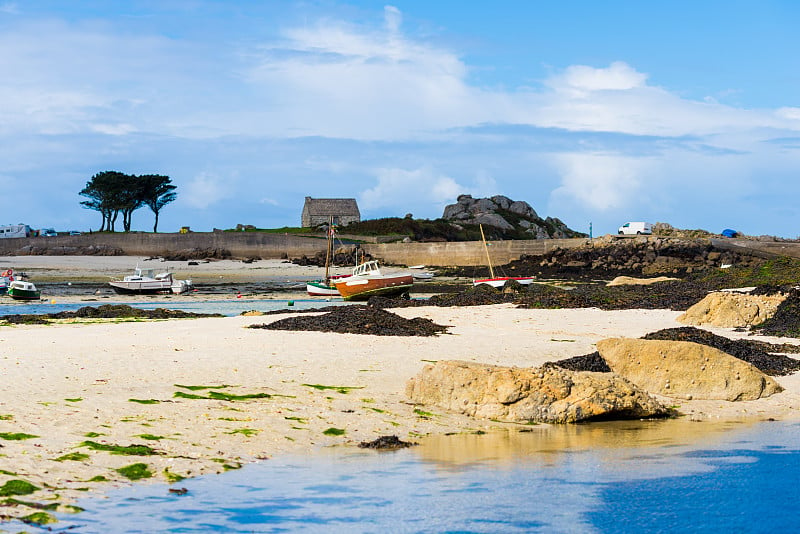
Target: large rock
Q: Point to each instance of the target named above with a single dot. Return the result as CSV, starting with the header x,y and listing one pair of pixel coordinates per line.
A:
x,y
685,370
493,219
732,310
548,394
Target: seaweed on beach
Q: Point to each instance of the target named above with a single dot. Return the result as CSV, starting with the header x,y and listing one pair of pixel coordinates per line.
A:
x,y
746,350
757,353
786,321
386,443
669,295
588,362
105,311
357,319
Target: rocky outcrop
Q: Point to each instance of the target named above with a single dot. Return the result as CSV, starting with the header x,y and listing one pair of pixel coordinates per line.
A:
x,y
507,215
731,310
548,394
685,370
648,256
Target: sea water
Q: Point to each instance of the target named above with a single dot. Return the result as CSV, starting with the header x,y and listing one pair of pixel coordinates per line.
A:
x,y
228,307
651,476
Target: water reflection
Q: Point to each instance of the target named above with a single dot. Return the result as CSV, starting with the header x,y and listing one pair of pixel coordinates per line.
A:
x,y
551,479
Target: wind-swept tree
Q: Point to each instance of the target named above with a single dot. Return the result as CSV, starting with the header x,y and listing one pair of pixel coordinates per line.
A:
x,y
103,191
158,191
112,193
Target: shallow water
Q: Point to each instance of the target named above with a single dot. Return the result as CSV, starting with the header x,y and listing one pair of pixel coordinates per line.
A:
x,y
663,476
228,307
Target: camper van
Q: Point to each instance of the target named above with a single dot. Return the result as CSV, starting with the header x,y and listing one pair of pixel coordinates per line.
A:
x,y
635,228
15,230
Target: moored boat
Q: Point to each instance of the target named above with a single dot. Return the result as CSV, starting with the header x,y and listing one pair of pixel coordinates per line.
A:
x,y
321,288
23,290
6,278
498,281
326,287
146,281
367,280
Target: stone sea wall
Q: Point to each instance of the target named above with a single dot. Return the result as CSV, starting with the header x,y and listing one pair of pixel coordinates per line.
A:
x,y
272,246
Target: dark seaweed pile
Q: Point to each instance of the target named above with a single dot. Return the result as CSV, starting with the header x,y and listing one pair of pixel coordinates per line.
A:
x,y
757,353
786,321
770,364
678,296
386,443
106,311
588,362
358,320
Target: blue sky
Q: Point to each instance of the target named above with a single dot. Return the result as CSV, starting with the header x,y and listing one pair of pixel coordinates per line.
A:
x,y
682,112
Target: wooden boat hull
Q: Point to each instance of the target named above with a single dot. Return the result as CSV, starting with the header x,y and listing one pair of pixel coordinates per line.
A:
x,y
501,281
358,288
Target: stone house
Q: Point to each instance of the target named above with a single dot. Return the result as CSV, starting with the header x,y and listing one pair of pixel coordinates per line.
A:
x,y
318,211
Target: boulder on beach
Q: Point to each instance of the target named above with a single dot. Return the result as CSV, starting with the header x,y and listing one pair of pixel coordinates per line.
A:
x,y
631,281
731,310
686,370
548,394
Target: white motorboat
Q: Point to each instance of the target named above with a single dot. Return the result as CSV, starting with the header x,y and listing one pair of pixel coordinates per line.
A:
x,y
146,281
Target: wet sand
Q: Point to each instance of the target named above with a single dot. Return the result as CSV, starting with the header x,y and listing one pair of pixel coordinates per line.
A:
x,y
181,387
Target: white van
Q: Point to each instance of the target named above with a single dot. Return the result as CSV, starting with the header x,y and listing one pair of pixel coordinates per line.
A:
x,y
634,228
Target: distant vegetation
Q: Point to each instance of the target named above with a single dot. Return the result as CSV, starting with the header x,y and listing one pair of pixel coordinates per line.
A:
x,y
422,230
112,193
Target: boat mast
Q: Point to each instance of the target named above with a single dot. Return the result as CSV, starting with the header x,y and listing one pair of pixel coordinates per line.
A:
x,y
486,247
328,251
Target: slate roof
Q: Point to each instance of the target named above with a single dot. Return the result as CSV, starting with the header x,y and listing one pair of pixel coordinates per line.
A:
x,y
331,207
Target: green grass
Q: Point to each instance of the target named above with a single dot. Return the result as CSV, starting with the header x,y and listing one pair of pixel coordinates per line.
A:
x,y
38,518
344,390
17,487
129,450
72,457
150,437
136,471
200,388
216,395
298,419
245,431
16,436
172,477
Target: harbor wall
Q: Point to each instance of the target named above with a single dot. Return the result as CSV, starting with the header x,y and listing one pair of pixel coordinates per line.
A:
x,y
466,253
273,246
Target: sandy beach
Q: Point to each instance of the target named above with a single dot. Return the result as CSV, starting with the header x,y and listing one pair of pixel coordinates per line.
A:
x,y
173,385
104,268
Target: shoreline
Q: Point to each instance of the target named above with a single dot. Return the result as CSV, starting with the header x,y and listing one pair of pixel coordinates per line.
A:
x,y
180,387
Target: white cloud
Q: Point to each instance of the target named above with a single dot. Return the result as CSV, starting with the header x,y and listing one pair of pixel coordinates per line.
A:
x,y
204,190
788,113
619,76
601,182
428,190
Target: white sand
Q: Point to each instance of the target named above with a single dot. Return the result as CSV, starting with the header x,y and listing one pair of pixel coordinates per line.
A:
x,y
63,381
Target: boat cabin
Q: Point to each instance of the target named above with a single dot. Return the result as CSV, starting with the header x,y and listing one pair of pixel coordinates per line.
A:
x,y
367,268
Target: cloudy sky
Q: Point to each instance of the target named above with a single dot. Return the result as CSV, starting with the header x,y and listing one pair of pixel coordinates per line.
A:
x,y
594,112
